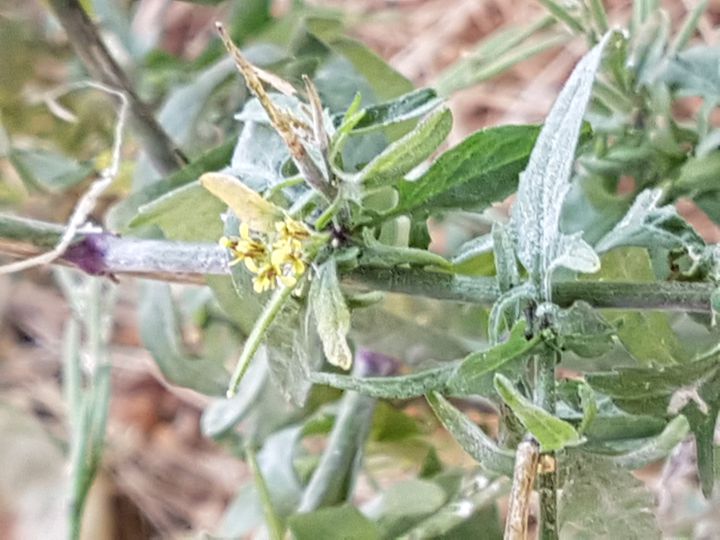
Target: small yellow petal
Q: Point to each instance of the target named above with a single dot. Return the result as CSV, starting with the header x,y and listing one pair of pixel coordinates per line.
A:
x,y
245,231
288,281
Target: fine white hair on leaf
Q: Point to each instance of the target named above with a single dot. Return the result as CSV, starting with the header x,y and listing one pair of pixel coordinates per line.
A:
x,y
87,202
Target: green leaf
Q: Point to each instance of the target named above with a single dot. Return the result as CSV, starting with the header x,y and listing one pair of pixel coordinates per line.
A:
x,y
491,57
121,214
47,170
159,331
506,267
331,523
333,480
583,330
272,520
189,213
406,107
331,314
649,226
481,170
541,247
600,500
589,406
471,438
647,385
384,80
403,155
401,387
647,335
694,72
698,175
551,432
475,373
656,448
405,504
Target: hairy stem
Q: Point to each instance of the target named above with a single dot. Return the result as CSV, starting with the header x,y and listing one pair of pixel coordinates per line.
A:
x,y
183,262
545,397
86,41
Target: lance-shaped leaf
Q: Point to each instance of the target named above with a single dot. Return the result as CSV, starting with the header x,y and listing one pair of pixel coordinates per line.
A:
x,y
541,247
551,432
472,439
657,447
479,171
406,153
583,330
650,226
406,107
473,375
247,204
331,314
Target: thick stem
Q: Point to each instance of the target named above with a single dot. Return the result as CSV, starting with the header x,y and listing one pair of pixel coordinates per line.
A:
x,y
86,41
184,262
545,397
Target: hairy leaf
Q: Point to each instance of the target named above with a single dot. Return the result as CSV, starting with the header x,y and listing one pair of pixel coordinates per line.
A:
x,y
409,151
600,500
472,439
331,314
481,170
541,247
551,432
406,107
647,225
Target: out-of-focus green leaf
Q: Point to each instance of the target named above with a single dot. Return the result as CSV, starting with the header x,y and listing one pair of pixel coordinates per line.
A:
x,y
698,175
122,213
694,72
596,488
551,432
471,438
223,414
375,253
49,171
189,213
385,81
331,523
658,447
334,478
405,504
481,170
160,333
407,152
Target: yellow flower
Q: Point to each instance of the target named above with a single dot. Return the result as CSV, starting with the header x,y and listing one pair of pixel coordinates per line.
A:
x,y
269,276
285,255
292,232
245,248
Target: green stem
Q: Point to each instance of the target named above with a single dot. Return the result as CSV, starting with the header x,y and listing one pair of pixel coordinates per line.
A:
x,y
272,308
545,397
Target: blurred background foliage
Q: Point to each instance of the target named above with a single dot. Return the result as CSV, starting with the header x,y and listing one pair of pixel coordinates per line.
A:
x,y
171,464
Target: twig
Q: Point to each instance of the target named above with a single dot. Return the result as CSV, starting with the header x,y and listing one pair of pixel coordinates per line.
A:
x,y
185,262
87,202
526,466
85,39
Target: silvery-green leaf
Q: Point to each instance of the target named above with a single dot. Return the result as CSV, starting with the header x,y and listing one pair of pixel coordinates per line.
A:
x,y
331,314
596,489
541,246
647,225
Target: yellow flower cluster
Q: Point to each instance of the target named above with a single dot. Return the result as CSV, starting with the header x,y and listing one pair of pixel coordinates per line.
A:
x,y
274,261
